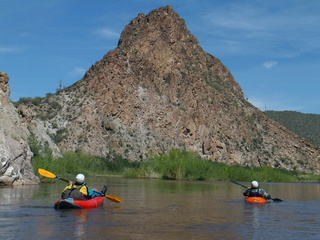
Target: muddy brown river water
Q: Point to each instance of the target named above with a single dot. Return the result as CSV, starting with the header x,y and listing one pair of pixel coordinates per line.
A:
x,y
159,209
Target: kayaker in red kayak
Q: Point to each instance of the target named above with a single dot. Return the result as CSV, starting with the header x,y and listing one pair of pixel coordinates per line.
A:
x,y
255,191
80,191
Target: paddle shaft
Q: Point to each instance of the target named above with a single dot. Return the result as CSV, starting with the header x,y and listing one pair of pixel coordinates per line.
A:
x,y
62,179
238,184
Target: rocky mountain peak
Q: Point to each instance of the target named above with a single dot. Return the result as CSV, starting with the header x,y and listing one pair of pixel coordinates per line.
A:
x,y
160,48
157,90
162,24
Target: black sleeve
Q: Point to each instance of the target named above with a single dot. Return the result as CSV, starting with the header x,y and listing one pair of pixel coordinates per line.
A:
x,y
246,192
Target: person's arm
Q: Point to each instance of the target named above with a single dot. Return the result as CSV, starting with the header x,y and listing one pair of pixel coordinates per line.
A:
x,y
84,191
264,194
246,192
68,187
267,195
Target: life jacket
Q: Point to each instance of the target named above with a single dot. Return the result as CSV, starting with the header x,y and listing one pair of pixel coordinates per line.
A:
x,y
254,192
76,192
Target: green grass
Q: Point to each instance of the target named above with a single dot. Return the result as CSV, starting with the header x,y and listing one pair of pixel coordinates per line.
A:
x,y
77,162
183,165
175,165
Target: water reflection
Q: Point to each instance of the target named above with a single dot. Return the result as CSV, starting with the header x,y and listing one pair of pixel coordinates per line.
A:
x,y
77,219
16,194
156,209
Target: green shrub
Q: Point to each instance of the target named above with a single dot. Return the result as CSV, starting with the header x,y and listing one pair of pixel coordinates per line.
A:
x,y
176,165
183,165
75,162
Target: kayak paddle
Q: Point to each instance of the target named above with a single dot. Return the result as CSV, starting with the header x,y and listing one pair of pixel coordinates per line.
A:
x,y
274,199
238,184
48,174
113,198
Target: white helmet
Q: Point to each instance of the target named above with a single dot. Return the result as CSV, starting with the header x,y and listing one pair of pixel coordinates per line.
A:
x,y
254,184
80,178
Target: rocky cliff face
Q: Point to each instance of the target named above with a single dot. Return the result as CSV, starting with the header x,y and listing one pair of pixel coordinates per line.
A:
x,y
15,154
158,89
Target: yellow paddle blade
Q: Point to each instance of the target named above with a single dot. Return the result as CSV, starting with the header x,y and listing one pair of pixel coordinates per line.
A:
x,y
45,173
114,198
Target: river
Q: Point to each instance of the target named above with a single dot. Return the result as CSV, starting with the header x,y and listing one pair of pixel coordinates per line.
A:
x,y
159,209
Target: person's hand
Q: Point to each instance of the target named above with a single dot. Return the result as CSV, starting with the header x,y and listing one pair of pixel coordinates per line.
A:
x,y
70,182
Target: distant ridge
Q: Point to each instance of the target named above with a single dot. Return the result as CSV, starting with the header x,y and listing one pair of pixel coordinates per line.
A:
x,y
305,125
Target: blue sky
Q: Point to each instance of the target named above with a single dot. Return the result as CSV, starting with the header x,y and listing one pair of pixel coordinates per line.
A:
x,y
272,47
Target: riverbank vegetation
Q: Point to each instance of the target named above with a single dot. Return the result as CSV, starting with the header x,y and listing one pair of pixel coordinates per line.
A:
x,y
77,162
183,165
175,165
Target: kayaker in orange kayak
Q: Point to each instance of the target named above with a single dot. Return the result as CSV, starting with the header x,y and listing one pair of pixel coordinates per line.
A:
x,y
255,191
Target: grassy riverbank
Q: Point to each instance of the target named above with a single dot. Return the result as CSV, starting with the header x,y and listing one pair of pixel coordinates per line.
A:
x,y
176,165
183,165
77,162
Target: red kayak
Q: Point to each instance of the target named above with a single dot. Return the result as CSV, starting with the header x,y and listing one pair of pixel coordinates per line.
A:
x,y
78,204
255,200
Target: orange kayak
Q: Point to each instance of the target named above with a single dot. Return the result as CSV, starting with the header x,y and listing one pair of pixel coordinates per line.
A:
x,y
255,200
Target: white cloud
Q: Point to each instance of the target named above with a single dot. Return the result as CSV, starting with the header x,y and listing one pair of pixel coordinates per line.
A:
x,y
270,64
274,103
24,35
257,103
9,49
106,33
270,29
78,71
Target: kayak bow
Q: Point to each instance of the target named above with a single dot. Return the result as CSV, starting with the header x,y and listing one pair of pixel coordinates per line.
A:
x,y
255,200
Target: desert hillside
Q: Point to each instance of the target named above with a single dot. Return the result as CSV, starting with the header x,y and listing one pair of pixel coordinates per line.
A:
x,y
157,90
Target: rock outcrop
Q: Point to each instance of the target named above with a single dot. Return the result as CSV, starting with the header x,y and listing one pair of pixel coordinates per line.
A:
x,y
15,154
157,90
